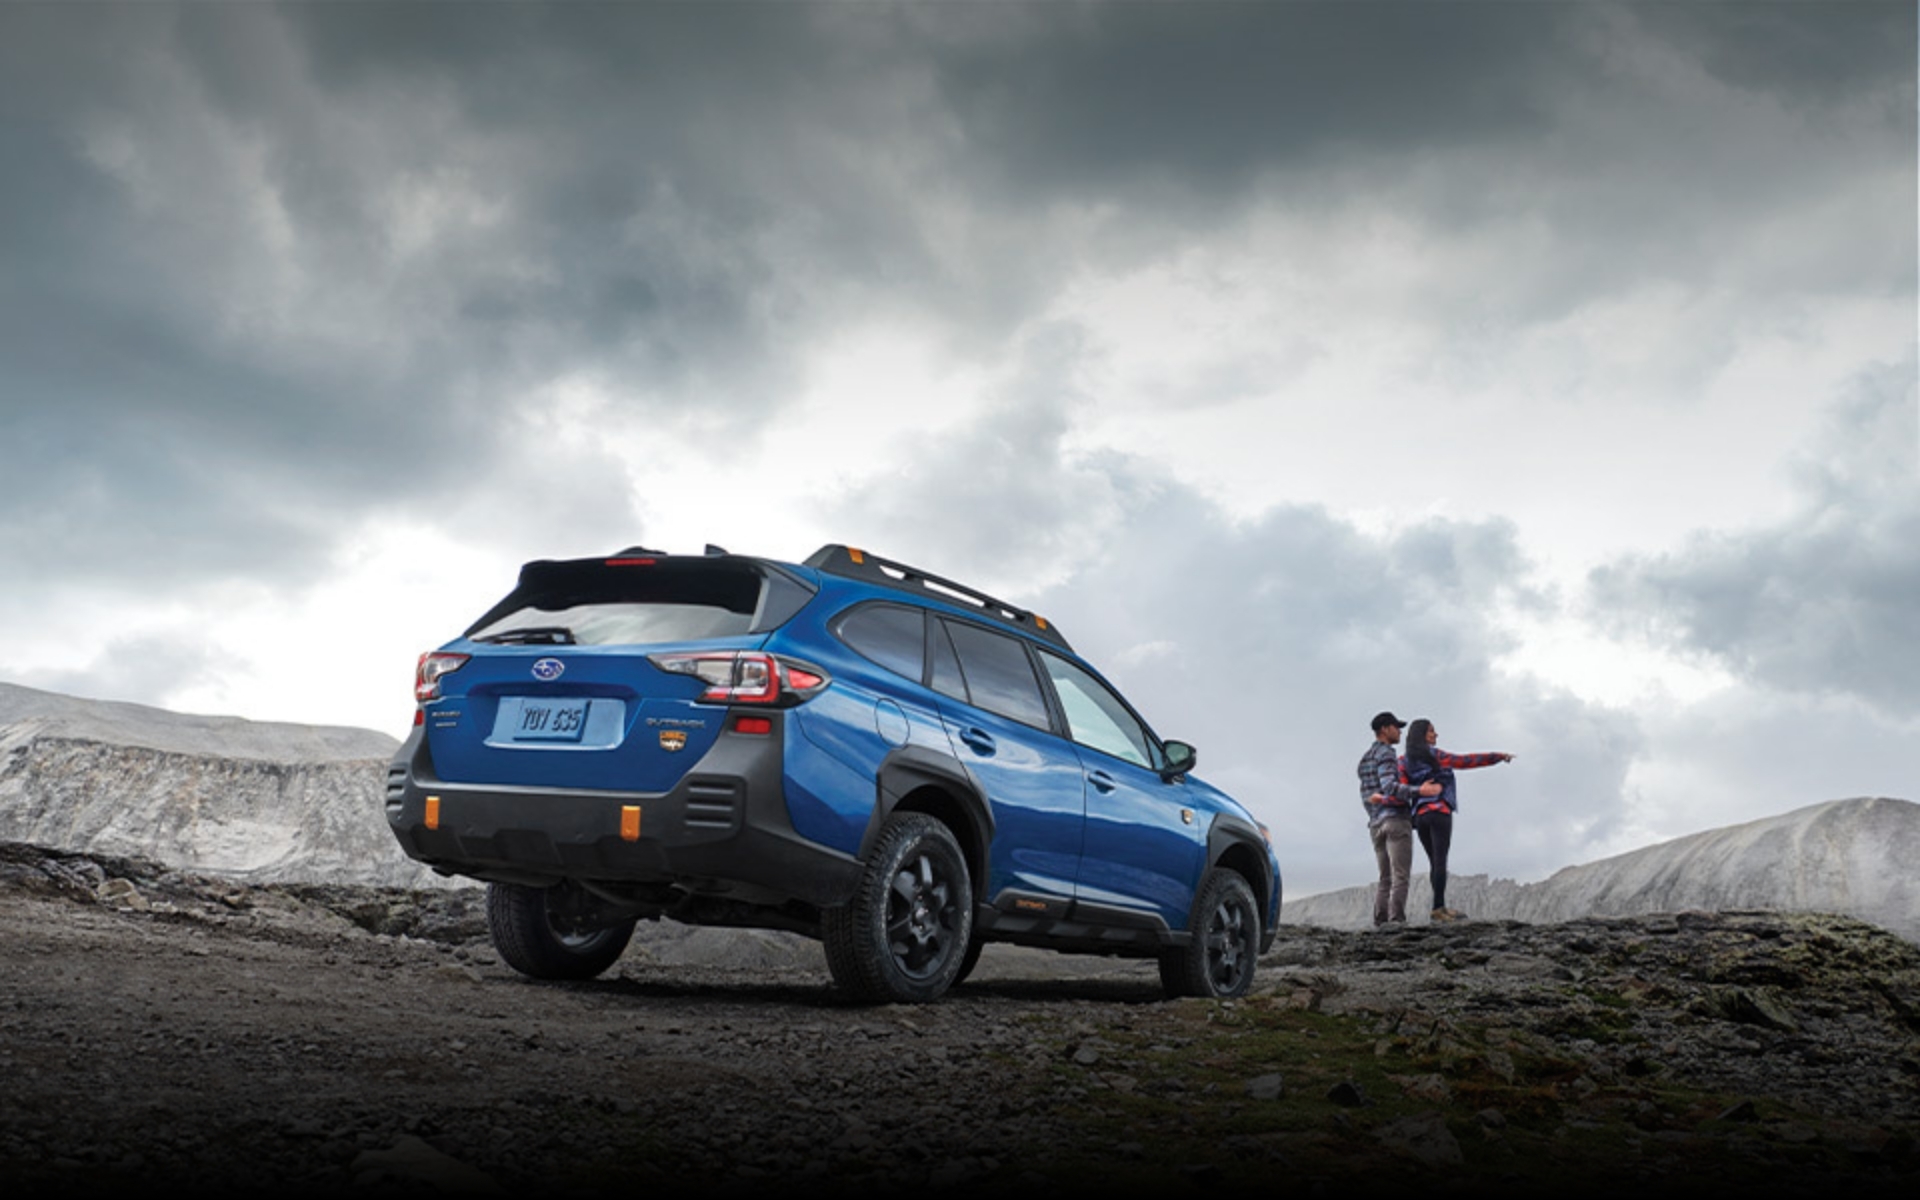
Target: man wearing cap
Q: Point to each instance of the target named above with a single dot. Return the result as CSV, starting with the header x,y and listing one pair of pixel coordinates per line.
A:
x,y
1389,806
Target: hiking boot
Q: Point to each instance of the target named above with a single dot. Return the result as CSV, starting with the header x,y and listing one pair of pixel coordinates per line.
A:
x,y
1442,915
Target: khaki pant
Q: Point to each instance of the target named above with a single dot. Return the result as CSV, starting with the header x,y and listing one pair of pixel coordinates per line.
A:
x,y
1393,851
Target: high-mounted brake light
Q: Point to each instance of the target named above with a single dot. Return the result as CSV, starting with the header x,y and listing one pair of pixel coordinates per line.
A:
x,y
427,673
746,676
630,562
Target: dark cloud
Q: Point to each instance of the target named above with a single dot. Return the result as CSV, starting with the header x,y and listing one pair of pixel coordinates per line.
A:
x,y
1194,99
1821,603
1809,52
348,239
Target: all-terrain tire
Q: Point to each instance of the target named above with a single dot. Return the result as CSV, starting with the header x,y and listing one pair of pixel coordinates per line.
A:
x,y
904,936
1219,960
527,939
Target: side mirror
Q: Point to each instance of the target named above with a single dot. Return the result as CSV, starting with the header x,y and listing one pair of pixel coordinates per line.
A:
x,y
1180,759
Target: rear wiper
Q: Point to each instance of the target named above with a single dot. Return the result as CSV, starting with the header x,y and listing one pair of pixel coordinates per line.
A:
x,y
531,635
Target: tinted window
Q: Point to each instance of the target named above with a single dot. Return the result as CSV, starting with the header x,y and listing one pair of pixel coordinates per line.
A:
x,y
890,635
1095,715
946,678
999,675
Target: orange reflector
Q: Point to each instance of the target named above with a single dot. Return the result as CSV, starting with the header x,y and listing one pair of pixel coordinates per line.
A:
x,y
433,812
855,555
630,822
1040,621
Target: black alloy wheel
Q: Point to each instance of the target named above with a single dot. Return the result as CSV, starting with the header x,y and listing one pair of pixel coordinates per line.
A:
x,y
1219,959
904,937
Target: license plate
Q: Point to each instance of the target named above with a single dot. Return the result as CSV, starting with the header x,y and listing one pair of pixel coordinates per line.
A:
x,y
543,720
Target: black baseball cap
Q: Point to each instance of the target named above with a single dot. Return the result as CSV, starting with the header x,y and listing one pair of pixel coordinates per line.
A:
x,y
1386,718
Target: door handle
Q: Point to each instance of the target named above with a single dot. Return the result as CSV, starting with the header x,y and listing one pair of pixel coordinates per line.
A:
x,y
977,740
1100,780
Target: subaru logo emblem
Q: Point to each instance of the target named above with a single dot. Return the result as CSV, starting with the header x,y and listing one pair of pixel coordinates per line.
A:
x,y
548,669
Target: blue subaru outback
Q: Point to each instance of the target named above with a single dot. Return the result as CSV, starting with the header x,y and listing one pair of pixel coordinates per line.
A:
x,y
891,762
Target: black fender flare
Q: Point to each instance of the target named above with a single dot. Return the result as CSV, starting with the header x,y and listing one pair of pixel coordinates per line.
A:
x,y
908,769
1227,832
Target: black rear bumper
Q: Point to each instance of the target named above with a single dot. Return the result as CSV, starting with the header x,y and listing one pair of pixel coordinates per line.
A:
x,y
722,831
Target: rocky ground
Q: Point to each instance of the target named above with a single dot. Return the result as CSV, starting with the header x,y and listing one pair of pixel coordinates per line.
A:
x,y
160,1029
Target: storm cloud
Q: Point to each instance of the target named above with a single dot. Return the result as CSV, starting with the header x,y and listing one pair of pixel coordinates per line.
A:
x,y
1302,359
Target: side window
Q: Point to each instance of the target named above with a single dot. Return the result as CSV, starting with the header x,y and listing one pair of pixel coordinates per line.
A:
x,y
890,635
999,675
1095,716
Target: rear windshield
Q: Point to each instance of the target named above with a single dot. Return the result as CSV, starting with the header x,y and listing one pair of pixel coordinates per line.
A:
x,y
589,603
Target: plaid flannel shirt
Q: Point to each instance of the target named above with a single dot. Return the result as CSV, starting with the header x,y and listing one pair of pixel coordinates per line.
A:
x,y
1380,774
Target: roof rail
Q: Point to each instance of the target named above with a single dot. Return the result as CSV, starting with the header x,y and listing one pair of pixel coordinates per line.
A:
x,y
853,563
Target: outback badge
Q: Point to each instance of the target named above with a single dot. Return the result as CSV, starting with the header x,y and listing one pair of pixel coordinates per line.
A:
x,y
673,739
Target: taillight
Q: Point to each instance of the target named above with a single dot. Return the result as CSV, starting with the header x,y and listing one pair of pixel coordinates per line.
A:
x,y
428,672
746,677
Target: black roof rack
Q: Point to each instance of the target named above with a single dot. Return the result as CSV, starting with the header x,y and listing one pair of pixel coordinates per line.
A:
x,y
852,563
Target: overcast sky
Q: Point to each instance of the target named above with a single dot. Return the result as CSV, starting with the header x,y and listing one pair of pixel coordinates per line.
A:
x,y
1544,369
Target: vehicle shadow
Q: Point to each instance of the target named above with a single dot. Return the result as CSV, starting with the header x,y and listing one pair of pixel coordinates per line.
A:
x,y
783,989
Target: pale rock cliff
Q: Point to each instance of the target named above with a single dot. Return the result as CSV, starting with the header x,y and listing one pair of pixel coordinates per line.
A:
x,y
266,802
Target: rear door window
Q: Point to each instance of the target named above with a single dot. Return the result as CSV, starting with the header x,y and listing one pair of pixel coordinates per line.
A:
x,y
999,674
